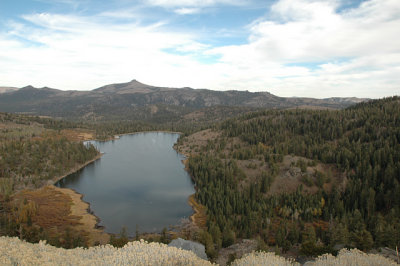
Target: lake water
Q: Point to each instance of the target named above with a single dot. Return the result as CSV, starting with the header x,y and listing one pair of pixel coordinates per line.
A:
x,y
140,180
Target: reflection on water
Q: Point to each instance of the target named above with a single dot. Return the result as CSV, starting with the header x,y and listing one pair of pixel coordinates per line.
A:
x,y
140,180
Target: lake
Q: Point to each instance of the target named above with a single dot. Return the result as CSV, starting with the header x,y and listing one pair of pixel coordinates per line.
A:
x,y
140,180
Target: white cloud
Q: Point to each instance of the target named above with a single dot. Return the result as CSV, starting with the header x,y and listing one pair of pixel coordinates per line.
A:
x,y
187,11
302,48
192,3
80,53
316,32
361,44
190,7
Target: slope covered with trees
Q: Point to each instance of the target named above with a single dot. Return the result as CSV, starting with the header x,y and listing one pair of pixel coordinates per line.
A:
x,y
362,142
34,152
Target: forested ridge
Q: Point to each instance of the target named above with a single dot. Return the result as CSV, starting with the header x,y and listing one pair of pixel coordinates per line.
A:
x,y
31,153
34,151
363,142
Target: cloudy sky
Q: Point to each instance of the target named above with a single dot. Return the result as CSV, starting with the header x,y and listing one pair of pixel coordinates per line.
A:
x,y
315,48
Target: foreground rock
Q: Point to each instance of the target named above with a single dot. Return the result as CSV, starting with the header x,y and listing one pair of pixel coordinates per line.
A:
x,y
237,250
196,248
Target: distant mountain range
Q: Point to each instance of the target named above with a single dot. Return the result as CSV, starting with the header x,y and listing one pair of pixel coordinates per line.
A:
x,y
134,100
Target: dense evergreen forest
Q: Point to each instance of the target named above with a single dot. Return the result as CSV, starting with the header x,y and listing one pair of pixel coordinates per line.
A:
x,y
363,142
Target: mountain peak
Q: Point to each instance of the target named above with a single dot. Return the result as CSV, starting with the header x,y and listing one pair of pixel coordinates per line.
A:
x,y
132,86
29,87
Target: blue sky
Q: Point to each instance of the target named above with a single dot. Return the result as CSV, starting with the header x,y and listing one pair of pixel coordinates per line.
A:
x,y
312,48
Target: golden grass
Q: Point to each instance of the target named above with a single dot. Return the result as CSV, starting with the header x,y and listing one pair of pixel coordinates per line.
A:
x,y
58,209
87,221
53,207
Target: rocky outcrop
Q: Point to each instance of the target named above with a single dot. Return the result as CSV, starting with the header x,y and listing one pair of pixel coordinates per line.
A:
x,y
195,247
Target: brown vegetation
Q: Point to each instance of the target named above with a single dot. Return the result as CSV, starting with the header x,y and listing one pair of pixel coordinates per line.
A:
x,y
57,210
53,207
87,222
199,217
77,134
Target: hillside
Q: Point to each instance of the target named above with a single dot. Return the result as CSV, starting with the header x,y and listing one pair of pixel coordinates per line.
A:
x,y
307,181
136,101
36,152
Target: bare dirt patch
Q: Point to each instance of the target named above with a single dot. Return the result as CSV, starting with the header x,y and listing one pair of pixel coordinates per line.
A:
x,y
290,176
77,134
192,144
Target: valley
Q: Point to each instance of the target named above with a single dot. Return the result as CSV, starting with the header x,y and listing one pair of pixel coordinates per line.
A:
x,y
295,176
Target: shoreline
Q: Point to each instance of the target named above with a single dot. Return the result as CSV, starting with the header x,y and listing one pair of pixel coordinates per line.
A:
x,y
198,214
54,180
88,221
117,136
199,217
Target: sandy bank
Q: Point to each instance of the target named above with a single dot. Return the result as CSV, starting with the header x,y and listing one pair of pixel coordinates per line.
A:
x,y
87,222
